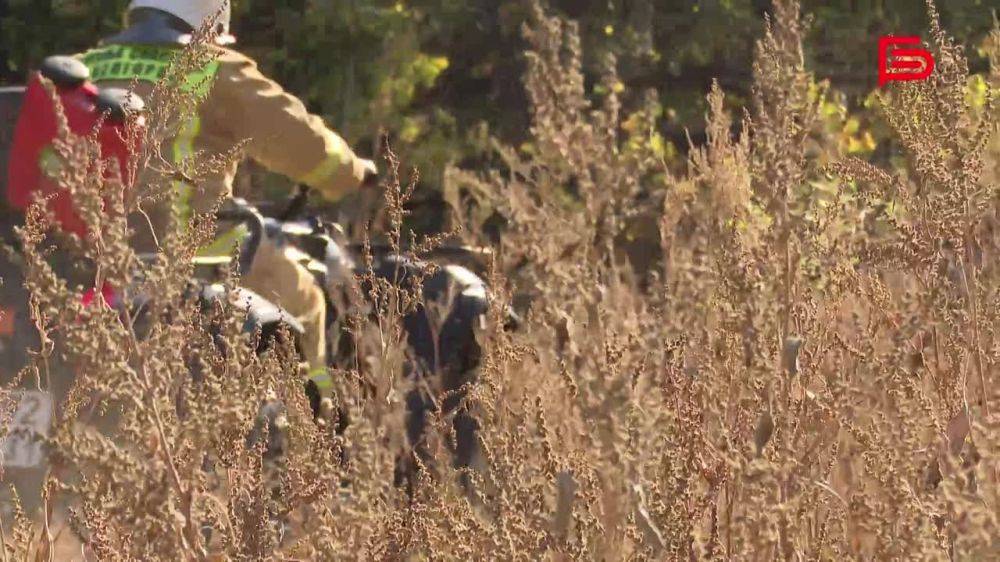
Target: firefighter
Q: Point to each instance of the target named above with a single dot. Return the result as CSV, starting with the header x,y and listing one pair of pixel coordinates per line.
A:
x,y
237,104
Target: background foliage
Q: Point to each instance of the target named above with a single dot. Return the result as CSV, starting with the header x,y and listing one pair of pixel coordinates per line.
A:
x,y
442,77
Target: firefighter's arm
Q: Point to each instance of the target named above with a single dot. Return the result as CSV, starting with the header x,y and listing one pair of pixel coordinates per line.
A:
x,y
282,135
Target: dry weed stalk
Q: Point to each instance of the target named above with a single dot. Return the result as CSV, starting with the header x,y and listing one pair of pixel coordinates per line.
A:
x,y
800,378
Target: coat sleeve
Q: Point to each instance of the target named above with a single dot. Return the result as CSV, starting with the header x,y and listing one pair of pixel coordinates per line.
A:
x,y
281,134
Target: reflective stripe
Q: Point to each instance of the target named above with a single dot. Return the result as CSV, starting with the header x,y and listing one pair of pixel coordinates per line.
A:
x,y
49,162
224,244
145,63
149,63
183,151
121,62
200,81
327,168
338,156
322,379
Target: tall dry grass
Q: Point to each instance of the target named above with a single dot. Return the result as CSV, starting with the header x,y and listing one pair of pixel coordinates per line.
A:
x,y
804,373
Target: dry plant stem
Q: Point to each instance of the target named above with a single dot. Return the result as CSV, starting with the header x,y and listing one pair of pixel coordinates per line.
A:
x,y
657,411
191,534
3,543
972,289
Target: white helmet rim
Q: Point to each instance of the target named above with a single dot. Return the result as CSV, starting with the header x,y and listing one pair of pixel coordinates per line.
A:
x,y
194,12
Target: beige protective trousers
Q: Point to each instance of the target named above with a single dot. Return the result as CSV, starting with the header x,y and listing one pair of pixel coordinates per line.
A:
x,y
277,276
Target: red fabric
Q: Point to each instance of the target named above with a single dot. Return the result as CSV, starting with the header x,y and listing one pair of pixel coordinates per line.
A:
x,y
36,130
110,298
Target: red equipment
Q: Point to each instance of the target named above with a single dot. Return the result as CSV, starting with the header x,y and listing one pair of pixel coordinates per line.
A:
x,y
107,291
33,159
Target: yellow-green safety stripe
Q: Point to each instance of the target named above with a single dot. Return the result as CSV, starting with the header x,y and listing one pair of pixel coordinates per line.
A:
x,y
183,150
150,64
147,64
224,243
338,156
320,376
325,169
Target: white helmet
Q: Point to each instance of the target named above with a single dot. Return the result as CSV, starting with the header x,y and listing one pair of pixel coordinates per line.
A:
x,y
194,12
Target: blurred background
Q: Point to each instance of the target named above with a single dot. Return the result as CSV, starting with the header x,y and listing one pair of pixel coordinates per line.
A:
x,y
443,77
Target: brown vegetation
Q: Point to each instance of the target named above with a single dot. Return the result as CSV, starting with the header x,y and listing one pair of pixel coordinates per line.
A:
x,y
808,370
